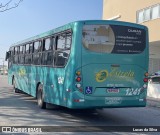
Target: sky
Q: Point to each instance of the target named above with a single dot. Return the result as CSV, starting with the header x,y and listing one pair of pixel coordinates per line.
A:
x,y
33,17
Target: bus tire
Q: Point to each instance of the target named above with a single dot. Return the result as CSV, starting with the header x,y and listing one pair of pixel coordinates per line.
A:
x,y
40,97
14,86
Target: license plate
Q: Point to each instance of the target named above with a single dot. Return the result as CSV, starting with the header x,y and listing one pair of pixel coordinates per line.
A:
x,y
113,100
113,90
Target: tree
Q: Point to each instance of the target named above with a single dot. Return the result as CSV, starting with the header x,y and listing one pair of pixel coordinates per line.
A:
x,y
9,5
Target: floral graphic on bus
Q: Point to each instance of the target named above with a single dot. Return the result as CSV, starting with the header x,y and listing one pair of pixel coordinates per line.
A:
x,y
22,72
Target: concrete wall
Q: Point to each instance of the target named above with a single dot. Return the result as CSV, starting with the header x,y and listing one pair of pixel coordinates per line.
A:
x,y
127,9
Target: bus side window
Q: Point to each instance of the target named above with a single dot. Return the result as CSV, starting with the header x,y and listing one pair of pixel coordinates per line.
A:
x,y
53,43
27,54
60,42
13,54
11,58
47,55
21,49
37,53
47,44
63,46
17,56
30,53
16,51
12,51
21,55
31,48
36,46
27,48
24,48
68,41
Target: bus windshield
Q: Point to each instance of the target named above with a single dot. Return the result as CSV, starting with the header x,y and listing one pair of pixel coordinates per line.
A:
x,y
113,39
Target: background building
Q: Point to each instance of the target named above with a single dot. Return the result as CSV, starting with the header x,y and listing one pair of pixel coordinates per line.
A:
x,y
3,70
145,12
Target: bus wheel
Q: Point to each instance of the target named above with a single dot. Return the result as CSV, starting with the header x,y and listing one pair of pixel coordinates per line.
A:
x,y
14,86
40,97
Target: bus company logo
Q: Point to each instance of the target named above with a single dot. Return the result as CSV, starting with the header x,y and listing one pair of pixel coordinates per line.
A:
x,y
115,73
101,76
22,72
6,129
138,32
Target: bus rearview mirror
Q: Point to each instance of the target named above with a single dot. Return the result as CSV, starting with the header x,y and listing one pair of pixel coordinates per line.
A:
x,y
7,55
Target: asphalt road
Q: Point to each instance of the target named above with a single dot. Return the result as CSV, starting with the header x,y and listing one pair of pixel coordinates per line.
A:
x,y
22,110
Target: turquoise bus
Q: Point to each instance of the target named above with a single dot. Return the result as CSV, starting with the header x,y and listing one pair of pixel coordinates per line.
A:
x,y
84,64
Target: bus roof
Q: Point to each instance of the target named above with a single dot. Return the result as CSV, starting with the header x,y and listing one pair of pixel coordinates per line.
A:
x,y
70,25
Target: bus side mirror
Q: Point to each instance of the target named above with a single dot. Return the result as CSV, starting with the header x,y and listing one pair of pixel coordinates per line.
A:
x,y
7,55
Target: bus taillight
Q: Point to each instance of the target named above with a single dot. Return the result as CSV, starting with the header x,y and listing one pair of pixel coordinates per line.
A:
x,y
146,74
78,79
78,100
78,73
78,76
145,79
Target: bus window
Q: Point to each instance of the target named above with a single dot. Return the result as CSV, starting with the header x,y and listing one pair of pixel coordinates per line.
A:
x,y
21,55
98,38
27,48
16,50
60,42
36,59
47,44
37,53
53,43
30,48
21,59
63,49
68,40
47,56
11,58
113,39
21,49
24,49
28,57
12,51
36,46
15,59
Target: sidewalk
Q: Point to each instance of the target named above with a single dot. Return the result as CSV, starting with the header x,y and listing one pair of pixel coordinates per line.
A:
x,y
153,102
